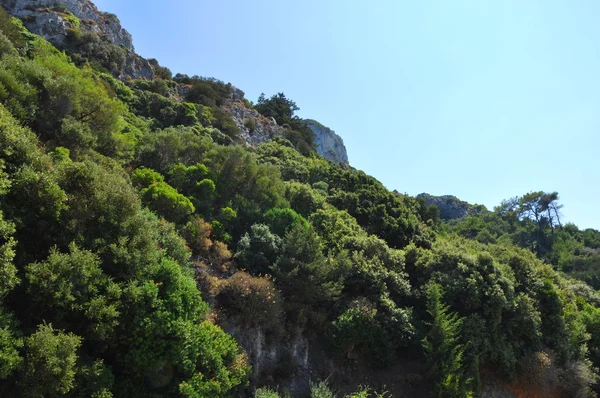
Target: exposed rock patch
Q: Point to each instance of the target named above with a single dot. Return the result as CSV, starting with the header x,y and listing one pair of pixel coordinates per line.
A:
x,y
329,144
51,19
451,208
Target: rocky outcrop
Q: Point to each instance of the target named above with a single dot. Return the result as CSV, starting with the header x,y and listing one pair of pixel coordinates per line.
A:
x,y
52,20
451,208
329,144
46,18
255,128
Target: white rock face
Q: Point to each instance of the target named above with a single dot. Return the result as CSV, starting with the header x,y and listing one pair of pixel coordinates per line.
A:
x,y
329,144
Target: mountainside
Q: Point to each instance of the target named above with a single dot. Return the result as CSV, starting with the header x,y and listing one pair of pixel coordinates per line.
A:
x,y
64,22
55,20
162,236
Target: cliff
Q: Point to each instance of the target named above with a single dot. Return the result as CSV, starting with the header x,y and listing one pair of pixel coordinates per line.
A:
x,y
55,20
329,144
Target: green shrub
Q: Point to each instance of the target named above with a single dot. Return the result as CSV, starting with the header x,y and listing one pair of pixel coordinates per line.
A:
x,y
51,358
167,202
321,390
143,177
281,221
6,46
265,392
9,28
250,124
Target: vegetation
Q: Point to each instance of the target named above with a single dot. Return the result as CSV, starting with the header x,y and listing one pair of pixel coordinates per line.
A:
x,y
125,209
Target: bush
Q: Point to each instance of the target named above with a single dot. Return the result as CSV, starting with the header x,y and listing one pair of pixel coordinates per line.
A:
x,y
265,392
50,362
252,301
321,390
281,221
258,249
167,202
197,233
250,124
143,177
10,29
6,46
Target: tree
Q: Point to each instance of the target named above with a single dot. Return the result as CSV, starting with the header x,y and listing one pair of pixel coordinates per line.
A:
x,y
71,290
282,220
161,197
51,357
442,348
258,249
278,107
10,345
8,271
543,209
283,110
307,279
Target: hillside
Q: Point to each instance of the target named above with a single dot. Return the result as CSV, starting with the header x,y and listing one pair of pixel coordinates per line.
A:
x,y
162,235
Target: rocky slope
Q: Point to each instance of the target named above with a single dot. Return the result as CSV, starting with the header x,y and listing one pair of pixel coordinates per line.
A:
x,y
451,208
52,19
257,129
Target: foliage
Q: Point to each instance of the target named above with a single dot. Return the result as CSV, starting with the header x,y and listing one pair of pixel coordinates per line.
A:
x,y
50,364
10,345
98,296
281,221
265,392
442,348
252,301
161,197
72,289
321,390
283,111
10,30
258,249
307,280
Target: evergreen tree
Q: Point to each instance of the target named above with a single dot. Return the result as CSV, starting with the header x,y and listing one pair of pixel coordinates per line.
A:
x,y
443,350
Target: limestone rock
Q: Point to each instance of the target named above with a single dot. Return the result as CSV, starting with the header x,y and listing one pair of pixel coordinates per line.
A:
x,y
329,144
50,19
451,208
104,23
255,128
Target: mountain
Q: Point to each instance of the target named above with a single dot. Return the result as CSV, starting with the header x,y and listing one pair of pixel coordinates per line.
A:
x,y
161,235
77,23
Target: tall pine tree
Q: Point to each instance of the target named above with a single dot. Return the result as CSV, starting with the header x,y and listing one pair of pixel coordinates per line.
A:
x,y
443,350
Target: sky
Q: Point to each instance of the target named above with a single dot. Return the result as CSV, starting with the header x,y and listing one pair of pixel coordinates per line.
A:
x,y
484,100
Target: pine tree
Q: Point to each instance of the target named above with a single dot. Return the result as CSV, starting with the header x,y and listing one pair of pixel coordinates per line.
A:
x,y
443,350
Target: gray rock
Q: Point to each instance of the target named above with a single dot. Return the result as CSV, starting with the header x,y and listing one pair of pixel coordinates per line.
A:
x,y
105,23
329,144
451,208
45,18
257,128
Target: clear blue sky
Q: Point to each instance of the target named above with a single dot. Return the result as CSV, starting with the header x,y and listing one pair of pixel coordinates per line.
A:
x,y
484,100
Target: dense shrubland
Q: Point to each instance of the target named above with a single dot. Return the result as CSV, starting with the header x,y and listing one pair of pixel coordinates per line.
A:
x,y
125,209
